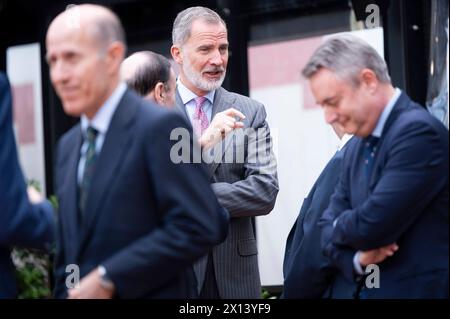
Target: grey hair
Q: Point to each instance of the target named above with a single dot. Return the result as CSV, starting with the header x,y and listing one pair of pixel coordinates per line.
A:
x,y
347,55
183,22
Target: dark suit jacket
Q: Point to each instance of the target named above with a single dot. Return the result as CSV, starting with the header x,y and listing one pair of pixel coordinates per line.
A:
x,y
149,218
307,272
21,224
404,201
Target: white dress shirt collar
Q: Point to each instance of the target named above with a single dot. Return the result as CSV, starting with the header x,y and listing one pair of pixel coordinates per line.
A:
x,y
102,118
345,138
187,95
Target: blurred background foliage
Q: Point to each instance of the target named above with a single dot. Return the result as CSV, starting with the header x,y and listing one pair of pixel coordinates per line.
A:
x,y
33,267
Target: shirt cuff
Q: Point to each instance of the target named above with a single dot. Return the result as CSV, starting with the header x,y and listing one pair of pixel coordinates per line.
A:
x,y
105,281
357,265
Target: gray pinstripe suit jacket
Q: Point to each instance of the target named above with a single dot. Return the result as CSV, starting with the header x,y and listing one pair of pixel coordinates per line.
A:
x,y
245,188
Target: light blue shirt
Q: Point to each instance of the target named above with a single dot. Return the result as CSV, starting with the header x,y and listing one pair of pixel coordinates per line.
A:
x,y
188,99
100,122
385,114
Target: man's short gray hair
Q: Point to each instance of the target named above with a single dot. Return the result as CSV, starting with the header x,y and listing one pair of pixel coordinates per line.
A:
x,y
347,55
183,22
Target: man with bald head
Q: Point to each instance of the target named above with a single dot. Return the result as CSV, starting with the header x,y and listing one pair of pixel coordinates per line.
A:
x,y
131,222
151,76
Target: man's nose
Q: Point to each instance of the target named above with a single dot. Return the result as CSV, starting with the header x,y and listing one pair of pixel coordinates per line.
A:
x,y
330,116
59,72
216,58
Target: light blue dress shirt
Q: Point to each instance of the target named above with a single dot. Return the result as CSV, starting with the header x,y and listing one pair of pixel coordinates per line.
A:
x,y
188,99
100,122
385,114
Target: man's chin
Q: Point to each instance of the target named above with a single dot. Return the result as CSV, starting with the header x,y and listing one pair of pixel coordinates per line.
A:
x,y
72,109
210,85
348,129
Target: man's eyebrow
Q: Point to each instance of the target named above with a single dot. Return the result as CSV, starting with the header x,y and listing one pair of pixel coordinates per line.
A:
x,y
328,100
205,46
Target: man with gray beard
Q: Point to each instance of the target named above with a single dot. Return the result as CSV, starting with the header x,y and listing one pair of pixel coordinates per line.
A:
x,y
246,186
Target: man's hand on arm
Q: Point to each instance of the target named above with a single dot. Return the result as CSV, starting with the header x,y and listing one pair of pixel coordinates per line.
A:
x,y
374,256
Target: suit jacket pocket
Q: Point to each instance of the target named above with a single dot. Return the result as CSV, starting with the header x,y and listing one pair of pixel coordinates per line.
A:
x,y
247,247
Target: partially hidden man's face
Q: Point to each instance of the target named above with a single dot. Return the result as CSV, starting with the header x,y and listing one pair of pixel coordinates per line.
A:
x,y
205,56
170,88
79,71
343,103
164,93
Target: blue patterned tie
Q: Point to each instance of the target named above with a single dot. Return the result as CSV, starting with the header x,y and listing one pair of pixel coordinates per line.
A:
x,y
89,164
370,150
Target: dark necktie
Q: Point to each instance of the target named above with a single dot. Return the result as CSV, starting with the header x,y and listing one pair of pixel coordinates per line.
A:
x,y
370,150
89,164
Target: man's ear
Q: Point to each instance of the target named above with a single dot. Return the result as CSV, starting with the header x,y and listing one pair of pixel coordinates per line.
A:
x,y
176,54
159,93
369,79
115,56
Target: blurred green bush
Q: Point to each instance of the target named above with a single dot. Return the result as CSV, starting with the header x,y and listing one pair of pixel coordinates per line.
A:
x,y
33,267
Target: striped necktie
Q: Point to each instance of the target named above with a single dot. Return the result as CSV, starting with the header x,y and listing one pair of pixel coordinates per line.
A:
x,y
89,165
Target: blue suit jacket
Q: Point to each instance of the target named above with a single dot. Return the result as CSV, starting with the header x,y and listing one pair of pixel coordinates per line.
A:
x,y
307,272
148,218
405,201
21,224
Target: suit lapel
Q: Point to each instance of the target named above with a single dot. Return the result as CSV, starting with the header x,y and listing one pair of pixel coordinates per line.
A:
x,y
399,107
69,208
180,106
117,141
222,101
